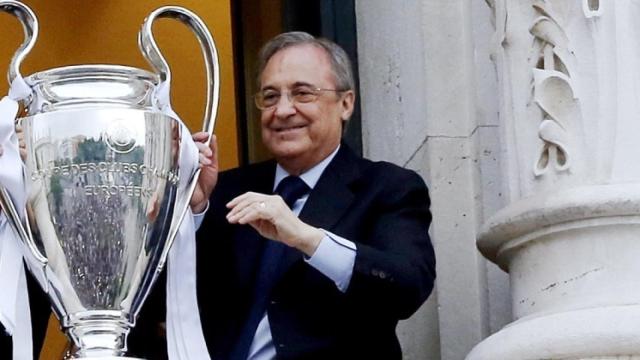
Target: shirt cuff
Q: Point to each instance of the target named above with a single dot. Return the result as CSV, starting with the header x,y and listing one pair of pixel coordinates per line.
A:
x,y
335,258
199,217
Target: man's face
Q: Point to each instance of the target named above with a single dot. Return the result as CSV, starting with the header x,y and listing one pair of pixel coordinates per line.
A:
x,y
300,135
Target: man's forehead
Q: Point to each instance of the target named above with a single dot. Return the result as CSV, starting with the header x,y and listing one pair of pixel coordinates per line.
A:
x,y
297,65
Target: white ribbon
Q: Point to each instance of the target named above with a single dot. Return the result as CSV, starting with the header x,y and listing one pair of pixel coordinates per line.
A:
x,y
185,340
15,314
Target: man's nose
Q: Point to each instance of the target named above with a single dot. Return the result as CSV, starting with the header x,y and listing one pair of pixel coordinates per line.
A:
x,y
285,106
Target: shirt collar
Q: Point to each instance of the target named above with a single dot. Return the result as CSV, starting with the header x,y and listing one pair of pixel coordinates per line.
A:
x,y
311,176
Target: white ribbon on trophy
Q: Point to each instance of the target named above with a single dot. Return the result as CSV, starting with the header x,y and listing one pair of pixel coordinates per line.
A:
x,y
185,340
15,314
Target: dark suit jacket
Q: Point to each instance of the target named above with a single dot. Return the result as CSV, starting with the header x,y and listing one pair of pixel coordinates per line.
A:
x,y
40,311
381,207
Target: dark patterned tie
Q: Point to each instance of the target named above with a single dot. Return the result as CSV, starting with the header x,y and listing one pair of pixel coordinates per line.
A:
x,y
290,189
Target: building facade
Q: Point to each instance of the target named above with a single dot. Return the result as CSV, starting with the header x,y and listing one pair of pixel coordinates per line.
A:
x,y
522,118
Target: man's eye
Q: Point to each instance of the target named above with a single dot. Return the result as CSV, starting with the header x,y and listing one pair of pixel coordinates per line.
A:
x,y
270,97
303,94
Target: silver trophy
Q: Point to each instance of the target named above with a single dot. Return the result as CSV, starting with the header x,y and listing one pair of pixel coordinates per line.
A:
x,y
106,191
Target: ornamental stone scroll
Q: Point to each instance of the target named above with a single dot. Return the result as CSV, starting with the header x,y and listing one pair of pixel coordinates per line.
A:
x,y
568,74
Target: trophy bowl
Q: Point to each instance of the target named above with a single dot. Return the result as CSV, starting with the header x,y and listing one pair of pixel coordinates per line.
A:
x,y
106,189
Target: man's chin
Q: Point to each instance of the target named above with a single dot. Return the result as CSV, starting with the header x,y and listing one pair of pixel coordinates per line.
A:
x,y
286,153
287,147
289,155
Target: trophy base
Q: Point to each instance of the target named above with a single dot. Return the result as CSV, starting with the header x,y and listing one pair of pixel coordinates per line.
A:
x,y
97,335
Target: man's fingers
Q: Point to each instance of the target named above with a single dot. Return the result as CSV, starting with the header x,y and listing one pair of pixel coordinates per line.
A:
x,y
248,196
250,201
204,149
204,161
247,214
208,154
200,137
244,203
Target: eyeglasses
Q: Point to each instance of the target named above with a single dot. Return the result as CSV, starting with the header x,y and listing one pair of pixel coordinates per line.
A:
x,y
299,95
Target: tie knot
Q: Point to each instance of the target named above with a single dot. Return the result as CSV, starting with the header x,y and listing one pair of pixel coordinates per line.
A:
x,y
291,189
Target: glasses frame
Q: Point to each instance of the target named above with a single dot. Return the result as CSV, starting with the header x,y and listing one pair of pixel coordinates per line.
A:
x,y
258,96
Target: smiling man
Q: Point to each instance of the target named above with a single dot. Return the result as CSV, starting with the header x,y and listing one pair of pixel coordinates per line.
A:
x,y
318,253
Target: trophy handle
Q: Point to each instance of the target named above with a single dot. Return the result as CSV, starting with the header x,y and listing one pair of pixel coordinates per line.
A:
x,y
152,54
30,25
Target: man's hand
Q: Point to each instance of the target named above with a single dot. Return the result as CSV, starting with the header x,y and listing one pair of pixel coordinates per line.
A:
x,y
208,171
273,219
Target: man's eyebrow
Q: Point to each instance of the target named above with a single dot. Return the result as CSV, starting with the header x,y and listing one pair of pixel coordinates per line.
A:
x,y
295,85
269,87
301,83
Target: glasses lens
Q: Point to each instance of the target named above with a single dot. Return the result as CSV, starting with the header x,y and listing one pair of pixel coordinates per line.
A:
x,y
258,100
267,99
304,95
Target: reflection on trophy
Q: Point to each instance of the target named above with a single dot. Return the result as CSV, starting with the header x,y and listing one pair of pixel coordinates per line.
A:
x,y
106,190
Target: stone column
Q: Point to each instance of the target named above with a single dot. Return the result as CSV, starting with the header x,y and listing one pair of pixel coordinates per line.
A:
x,y
569,86
428,103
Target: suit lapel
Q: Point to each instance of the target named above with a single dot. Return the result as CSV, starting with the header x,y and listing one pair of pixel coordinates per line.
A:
x,y
331,196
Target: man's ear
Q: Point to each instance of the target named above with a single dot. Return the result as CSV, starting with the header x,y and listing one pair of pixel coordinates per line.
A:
x,y
347,102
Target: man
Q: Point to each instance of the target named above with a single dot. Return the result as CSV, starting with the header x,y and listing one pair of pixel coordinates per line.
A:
x,y
326,273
